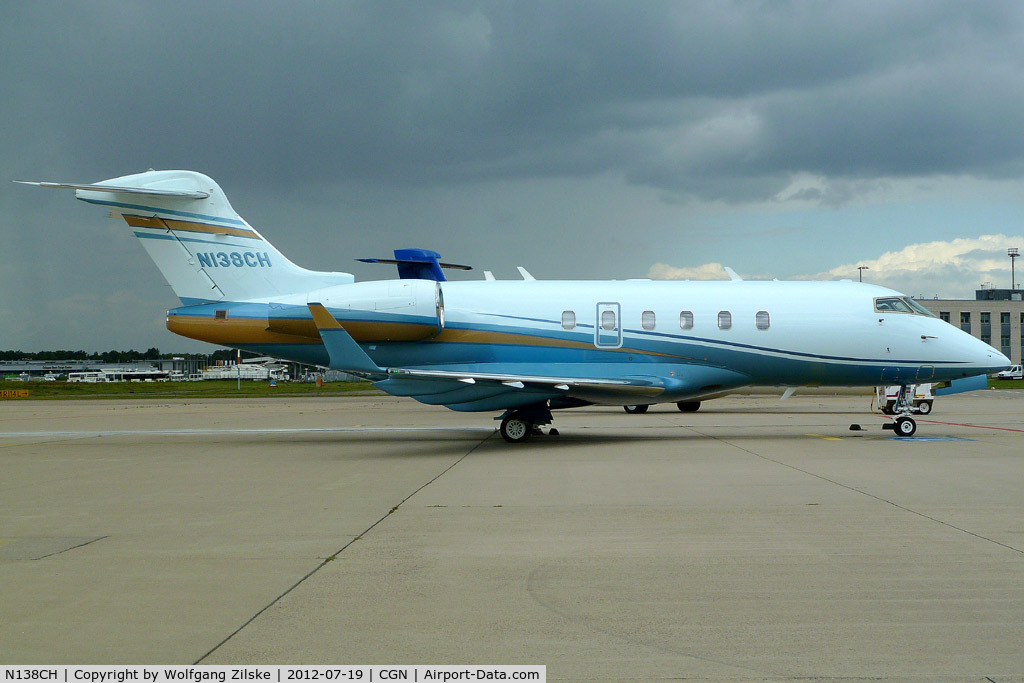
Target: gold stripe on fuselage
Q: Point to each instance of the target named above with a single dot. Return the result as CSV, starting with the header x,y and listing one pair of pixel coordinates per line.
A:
x,y
185,226
230,331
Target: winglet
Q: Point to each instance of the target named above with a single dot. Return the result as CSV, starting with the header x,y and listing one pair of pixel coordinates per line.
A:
x,y
323,319
344,352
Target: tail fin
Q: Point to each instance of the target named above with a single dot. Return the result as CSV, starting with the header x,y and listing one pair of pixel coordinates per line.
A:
x,y
205,250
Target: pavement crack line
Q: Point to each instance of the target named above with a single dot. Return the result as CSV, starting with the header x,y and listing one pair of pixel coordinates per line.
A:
x,y
333,556
862,492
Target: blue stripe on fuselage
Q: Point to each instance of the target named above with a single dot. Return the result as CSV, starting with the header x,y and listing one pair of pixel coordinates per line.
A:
x,y
172,238
648,348
139,207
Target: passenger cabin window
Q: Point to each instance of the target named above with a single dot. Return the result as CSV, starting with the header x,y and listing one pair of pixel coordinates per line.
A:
x,y
724,320
608,320
220,315
568,320
762,320
647,320
686,320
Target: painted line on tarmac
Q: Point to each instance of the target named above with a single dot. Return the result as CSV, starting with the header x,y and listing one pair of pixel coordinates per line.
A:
x,y
206,432
826,438
961,424
964,424
929,438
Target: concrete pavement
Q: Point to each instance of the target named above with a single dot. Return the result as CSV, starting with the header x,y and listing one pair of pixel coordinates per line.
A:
x,y
753,539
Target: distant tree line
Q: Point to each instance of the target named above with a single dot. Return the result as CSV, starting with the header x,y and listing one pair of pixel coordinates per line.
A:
x,y
115,356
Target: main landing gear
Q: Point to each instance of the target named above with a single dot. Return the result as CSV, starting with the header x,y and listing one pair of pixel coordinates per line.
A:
x,y
684,407
904,424
519,425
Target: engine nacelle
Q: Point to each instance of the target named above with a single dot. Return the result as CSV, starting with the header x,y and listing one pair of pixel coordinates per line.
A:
x,y
389,310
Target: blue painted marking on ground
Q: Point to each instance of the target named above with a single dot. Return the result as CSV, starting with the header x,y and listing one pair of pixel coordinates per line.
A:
x,y
929,438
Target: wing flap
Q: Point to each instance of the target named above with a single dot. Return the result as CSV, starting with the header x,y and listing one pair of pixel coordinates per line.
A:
x,y
638,387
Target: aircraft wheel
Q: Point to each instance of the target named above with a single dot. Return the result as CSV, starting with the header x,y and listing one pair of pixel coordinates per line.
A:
x,y
924,407
636,410
515,429
688,406
905,426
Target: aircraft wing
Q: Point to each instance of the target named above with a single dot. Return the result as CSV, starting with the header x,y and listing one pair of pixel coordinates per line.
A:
x,y
639,387
470,390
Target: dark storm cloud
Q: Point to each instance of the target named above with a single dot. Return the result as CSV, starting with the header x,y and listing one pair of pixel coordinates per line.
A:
x,y
714,99
497,132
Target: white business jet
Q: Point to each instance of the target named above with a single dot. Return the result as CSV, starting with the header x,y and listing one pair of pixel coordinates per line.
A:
x,y
526,347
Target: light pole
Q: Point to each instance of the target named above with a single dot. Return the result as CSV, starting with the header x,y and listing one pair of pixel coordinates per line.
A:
x,y
860,272
1013,253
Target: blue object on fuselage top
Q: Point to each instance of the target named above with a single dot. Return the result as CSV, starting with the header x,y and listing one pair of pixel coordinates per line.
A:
x,y
417,264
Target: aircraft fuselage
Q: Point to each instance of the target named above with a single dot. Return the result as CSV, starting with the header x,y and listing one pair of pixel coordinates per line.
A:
x,y
699,337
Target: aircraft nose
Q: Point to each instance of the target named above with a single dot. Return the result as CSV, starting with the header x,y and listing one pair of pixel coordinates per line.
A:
x,y
1001,362
990,359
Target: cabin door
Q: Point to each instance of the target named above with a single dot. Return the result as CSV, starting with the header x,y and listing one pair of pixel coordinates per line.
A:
x,y
608,328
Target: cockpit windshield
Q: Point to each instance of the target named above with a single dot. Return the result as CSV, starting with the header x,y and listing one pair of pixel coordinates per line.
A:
x,y
900,304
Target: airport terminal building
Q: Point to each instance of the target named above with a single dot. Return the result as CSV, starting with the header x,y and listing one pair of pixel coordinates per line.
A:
x,y
995,316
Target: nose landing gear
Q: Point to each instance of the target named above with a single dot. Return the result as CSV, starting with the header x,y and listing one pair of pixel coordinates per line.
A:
x,y
904,424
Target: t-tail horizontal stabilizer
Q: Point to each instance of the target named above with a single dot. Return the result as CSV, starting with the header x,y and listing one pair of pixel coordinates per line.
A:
x,y
117,189
343,350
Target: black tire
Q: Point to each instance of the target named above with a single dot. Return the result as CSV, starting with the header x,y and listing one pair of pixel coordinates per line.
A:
x,y
636,410
905,426
688,406
889,408
515,429
924,407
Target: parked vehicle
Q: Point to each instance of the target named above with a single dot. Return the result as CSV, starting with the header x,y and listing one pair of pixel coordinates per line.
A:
x,y
1013,372
919,396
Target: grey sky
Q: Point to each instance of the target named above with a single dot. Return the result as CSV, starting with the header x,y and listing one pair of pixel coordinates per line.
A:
x,y
580,139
